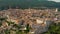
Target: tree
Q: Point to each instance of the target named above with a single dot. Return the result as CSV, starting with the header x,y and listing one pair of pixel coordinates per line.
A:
x,y
53,29
2,19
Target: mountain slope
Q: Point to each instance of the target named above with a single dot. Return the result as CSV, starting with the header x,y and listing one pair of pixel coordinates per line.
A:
x,y
28,3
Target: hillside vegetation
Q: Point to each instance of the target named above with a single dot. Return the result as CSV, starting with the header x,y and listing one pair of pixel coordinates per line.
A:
x,y
5,4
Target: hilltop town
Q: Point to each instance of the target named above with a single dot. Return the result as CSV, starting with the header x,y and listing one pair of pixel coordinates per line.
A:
x,y
38,19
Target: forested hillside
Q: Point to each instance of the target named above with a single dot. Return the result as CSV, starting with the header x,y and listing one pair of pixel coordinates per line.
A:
x,y
4,4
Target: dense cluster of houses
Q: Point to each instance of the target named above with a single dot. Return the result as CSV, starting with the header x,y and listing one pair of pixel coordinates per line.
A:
x,y
39,20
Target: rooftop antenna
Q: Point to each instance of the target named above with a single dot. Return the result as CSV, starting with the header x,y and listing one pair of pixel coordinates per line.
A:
x,y
29,9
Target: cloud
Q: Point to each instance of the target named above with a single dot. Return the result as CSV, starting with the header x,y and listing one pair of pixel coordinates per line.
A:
x,y
55,0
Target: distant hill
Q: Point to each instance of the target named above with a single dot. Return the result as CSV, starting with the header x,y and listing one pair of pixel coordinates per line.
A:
x,y
4,4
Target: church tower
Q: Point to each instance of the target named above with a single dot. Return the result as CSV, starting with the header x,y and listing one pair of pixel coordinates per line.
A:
x,y
56,10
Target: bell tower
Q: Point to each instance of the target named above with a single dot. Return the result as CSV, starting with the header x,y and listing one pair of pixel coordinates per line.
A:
x,y
56,10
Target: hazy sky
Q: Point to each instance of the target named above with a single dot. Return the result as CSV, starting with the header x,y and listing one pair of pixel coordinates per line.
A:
x,y
55,0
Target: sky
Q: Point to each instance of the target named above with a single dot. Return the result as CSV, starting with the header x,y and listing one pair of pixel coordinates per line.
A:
x,y
55,0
